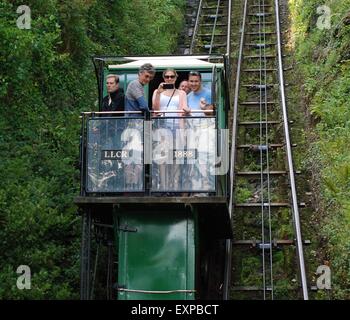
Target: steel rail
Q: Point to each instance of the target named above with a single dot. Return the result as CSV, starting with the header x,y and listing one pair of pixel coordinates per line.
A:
x,y
264,112
214,27
229,13
261,158
228,36
233,153
295,208
267,162
196,26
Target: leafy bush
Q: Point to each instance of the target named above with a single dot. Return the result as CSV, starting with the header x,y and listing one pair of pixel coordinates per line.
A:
x,y
47,78
323,61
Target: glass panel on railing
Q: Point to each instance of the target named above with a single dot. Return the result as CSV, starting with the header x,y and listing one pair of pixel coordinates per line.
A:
x,y
183,151
115,155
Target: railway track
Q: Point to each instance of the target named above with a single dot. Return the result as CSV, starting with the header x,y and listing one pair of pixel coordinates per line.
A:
x,y
265,258
211,31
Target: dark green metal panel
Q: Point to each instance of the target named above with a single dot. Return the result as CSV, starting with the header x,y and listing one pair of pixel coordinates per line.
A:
x,y
156,253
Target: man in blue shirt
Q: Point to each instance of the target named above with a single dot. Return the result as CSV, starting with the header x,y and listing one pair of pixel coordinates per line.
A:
x,y
135,99
202,137
199,98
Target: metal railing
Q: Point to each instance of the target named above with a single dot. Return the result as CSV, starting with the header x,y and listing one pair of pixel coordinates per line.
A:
x,y
182,153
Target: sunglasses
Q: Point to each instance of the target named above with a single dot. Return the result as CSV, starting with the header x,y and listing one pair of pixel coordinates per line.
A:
x,y
169,77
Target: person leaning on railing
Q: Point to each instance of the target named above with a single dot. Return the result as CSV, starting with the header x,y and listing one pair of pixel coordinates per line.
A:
x,y
203,133
135,99
171,99
168,98
136,102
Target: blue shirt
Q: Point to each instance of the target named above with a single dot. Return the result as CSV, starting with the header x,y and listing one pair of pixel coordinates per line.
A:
x,y
193,99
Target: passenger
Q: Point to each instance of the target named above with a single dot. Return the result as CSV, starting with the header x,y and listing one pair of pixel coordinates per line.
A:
x,y
114,101
184,86
169,99
202,136
135,99
199,98
110,131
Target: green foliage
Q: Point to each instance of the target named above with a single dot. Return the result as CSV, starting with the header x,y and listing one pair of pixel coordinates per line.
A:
x,y
242,192
323,60
247,277
158,40
46,79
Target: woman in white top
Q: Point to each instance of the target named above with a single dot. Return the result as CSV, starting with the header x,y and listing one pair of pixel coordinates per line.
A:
x,y
171,99
168,98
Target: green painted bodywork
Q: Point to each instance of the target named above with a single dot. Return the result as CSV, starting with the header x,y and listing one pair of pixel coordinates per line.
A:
x,y
160,251
159,256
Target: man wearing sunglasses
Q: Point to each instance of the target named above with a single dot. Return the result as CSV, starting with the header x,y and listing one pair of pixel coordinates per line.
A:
x,y
135,99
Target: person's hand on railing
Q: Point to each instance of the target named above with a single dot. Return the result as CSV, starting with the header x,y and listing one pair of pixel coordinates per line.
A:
x,y
206,106
157,113
210,107
203,104
186,111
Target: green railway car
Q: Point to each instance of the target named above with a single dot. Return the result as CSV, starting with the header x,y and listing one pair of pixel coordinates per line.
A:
x,y
163,241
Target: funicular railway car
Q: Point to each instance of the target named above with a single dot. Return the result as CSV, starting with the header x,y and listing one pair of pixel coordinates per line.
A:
x,y
168,239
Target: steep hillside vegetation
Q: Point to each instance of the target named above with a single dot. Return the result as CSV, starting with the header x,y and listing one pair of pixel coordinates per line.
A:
x,y
46,79
323,63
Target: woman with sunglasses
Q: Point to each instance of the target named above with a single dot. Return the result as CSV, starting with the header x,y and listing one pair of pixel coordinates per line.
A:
x,y
168,98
